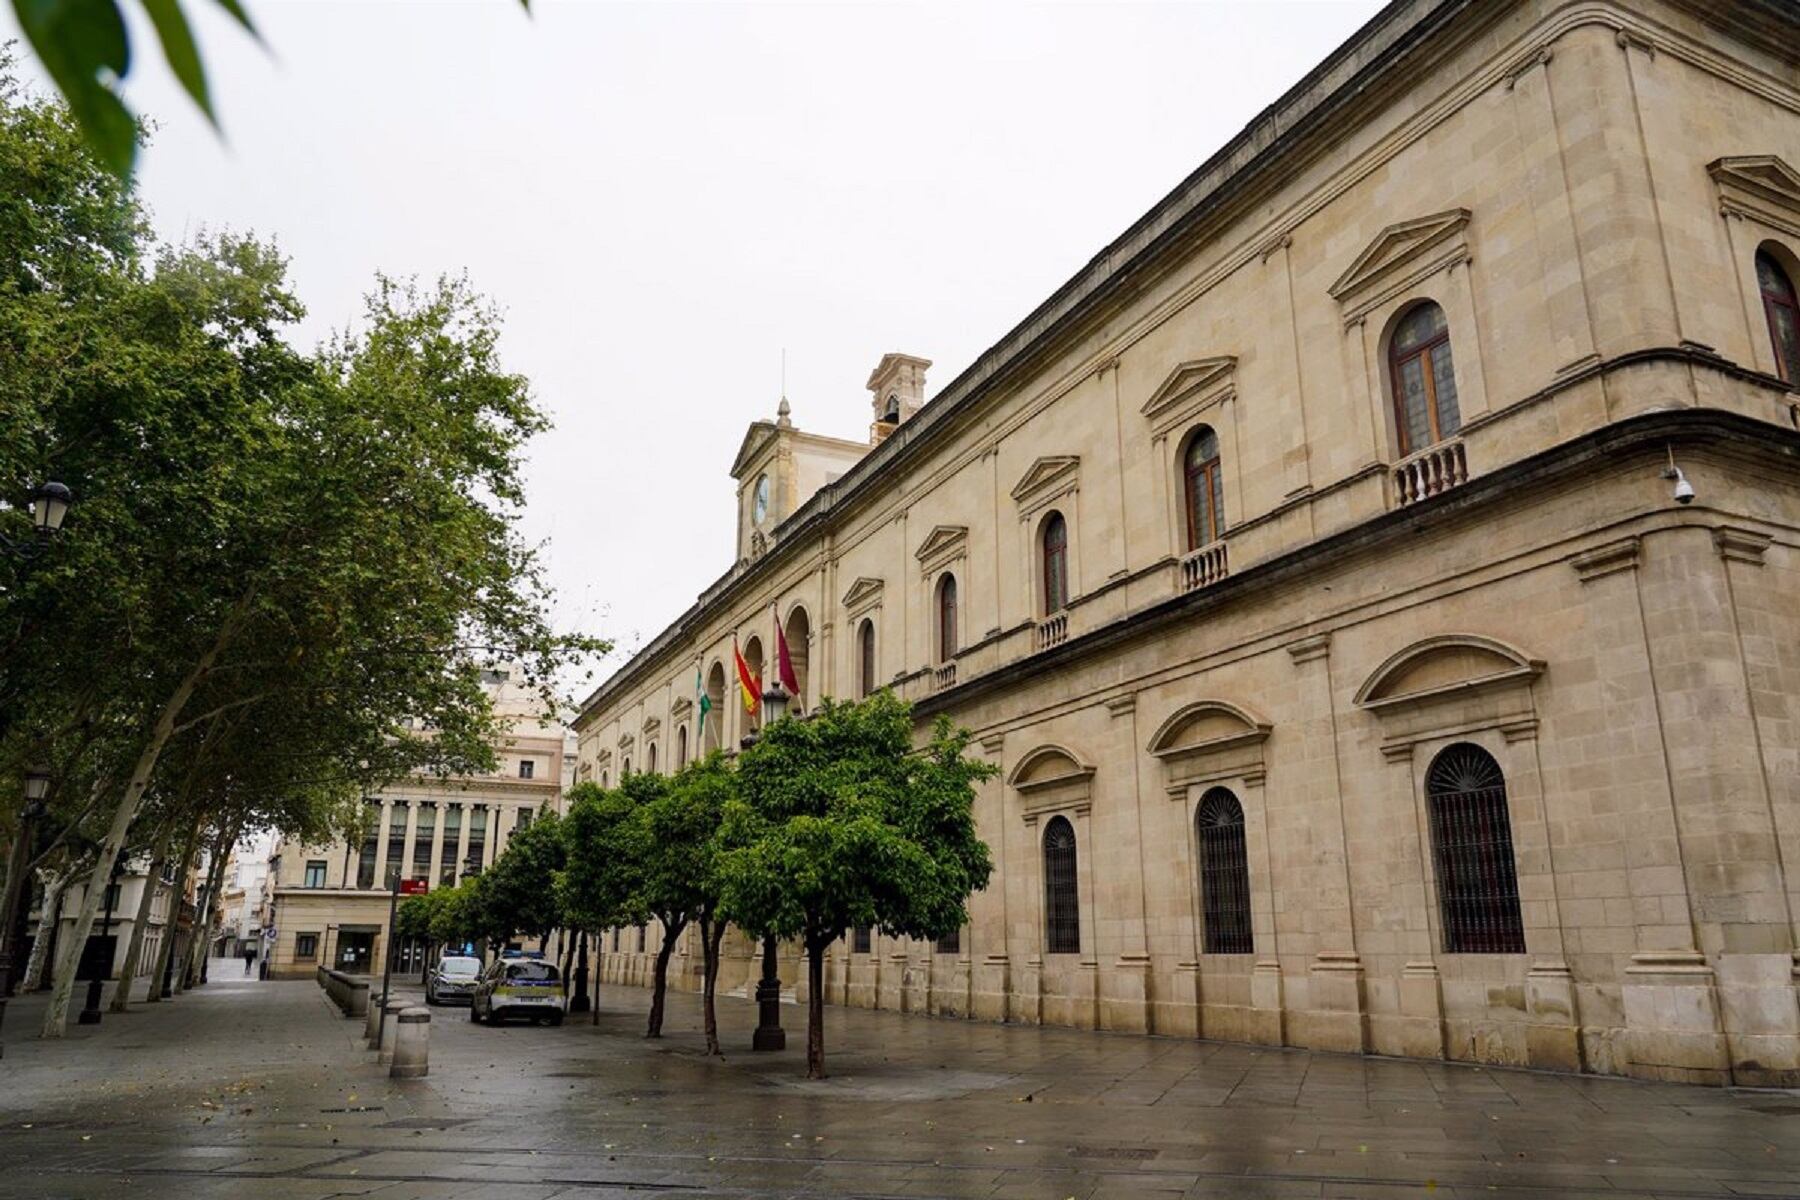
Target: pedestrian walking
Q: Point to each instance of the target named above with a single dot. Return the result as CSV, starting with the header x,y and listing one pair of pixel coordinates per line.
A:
x,y
249,958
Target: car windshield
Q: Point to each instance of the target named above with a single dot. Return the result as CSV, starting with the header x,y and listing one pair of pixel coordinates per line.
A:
x,y
469,967
531,972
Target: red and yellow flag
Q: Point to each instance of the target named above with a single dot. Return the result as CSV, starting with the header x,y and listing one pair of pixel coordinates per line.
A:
x,y
748,684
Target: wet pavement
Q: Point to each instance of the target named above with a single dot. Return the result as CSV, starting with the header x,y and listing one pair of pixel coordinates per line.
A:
x,y
259,1089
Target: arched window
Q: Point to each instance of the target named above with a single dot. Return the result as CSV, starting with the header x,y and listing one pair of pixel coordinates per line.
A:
x,y
946,614
891,413
1205,489
624,768
681,747
1471,846
753,658
1062,910
604,782
1056,563
865,650
1224,874
650,759
1424,381
712,721
1783,311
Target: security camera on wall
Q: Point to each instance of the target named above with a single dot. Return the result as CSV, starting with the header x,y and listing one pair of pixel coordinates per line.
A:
x,y
1684,491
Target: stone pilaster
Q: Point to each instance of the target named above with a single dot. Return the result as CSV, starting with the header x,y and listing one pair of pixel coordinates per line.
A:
x,y
1553,1029
991,987
1267,1003
1125,995
1672,1026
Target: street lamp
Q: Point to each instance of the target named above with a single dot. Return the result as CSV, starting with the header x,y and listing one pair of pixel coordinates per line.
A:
x,y
769,1034
37,789
49,505
90,1015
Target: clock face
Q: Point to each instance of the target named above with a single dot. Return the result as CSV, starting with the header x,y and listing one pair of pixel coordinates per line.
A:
x,y
759,503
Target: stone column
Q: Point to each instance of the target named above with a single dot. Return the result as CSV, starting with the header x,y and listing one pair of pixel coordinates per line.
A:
x,y
1126,986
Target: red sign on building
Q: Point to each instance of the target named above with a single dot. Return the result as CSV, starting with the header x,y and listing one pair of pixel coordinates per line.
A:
x,y
414,887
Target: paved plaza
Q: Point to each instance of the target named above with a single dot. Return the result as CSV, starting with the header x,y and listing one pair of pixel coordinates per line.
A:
x,y
259,1089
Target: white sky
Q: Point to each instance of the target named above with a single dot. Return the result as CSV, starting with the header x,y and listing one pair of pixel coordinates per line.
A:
x,y
664,196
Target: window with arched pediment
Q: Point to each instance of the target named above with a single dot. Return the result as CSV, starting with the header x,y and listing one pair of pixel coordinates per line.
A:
x,y
1423,378
1203,487
650,758
681,748
1224,874
946,617
1472,851
1781,308
1054,539
1062,905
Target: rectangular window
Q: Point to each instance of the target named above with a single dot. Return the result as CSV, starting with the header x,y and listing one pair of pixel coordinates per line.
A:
x,y
315,873
950,943
521,818
452,835
477,840
424,830
306,945
396,851
365,863
862,940
526,767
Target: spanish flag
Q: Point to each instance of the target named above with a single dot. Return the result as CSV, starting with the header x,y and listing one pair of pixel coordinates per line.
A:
x,y
748,684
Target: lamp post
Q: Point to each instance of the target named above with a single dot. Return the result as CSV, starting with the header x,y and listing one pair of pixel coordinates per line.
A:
x,y
37,787
769,1034
90,1015
49,505
580,1003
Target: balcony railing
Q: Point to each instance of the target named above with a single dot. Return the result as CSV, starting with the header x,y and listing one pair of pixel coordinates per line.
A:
x,y
944,677
1203,566
1429,472
1053,630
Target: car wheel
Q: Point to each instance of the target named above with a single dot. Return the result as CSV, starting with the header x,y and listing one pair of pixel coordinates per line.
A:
x,y
556,1020
474,1013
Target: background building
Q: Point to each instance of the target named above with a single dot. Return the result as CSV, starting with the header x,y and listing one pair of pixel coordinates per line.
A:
x,y
1374,574
329,904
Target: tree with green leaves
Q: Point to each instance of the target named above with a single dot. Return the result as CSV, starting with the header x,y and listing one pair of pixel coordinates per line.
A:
x,y
317,548
674,842
841,821
598,886
518,894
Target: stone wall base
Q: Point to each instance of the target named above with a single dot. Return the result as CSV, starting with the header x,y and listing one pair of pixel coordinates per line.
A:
x,y
1672,1029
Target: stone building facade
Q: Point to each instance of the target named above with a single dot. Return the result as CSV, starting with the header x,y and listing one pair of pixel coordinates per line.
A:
x,y
328,905
1376,575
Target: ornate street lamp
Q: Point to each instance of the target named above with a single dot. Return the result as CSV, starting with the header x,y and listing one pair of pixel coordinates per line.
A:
x,y
37,790
769,1034
49,505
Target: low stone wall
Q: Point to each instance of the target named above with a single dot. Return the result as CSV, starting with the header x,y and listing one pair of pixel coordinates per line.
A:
x,y
349,992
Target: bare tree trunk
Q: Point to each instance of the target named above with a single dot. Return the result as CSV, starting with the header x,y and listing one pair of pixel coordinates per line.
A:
x,y
56,1014
160,970
815,1010
215,876
711,935
54,887
660,985
121,1001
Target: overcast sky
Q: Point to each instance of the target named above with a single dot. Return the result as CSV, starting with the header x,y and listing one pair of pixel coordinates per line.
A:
x,y
662,197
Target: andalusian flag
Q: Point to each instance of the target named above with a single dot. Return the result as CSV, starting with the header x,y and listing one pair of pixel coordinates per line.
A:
x,y
704,703
748,684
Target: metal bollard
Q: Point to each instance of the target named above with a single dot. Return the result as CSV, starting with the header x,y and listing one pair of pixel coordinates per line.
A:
x,y
394,1009
412,1044
373,1023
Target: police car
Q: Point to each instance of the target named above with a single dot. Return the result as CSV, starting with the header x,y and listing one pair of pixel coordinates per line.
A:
x,y
519,987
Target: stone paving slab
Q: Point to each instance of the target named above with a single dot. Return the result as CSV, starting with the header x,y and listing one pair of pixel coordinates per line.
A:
x,y
259,1089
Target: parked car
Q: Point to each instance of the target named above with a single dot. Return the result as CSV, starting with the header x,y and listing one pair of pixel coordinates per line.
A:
x,y
519,987
453,980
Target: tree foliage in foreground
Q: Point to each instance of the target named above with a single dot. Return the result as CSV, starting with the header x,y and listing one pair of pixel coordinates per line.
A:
x,y
307,555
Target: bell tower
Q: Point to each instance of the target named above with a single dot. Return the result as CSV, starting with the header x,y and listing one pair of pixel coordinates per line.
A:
x,y
897,391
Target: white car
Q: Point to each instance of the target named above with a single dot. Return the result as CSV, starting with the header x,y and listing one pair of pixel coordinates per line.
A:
x,y
453,980
519,987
